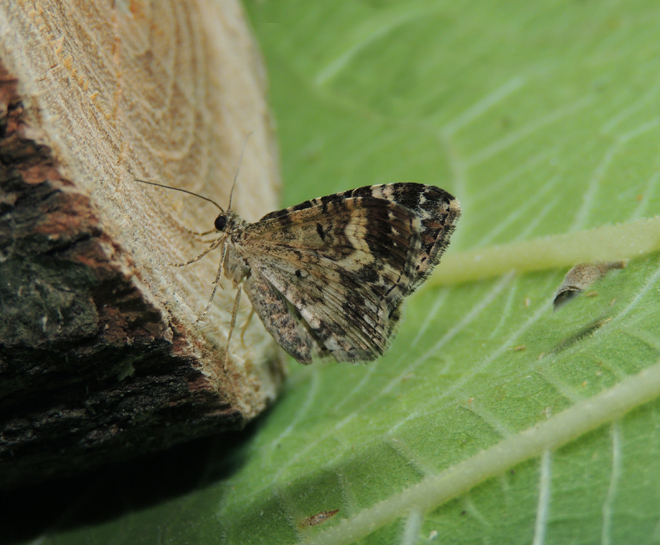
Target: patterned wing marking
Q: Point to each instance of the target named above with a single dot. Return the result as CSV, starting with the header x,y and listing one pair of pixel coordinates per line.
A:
x,y
437,210
345,262
283,321
345,288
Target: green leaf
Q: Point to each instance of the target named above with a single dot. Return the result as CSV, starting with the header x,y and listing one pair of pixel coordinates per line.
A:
x,y
493,418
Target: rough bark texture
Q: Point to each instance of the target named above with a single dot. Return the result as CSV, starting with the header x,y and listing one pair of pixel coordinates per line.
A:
x,y
101,357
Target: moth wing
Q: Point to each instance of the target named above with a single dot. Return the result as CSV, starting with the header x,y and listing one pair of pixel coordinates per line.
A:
x,y
345,262
283,321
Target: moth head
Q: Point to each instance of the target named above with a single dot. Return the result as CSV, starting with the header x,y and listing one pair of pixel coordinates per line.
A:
x,y
221,221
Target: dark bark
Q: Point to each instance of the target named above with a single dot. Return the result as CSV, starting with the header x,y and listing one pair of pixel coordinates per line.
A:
x,y
90,371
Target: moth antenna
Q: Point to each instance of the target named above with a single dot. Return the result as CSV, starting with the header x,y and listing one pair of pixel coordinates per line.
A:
x,y
240,160
184,191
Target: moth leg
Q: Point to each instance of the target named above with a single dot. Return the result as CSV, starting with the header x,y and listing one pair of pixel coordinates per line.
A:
x,y
232,324
247,323
216,281
212,247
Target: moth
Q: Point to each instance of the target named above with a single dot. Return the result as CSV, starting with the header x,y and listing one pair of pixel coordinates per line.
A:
x,y
328,277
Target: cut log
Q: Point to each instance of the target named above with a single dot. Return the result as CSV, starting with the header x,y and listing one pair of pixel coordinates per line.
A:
x,y
101,353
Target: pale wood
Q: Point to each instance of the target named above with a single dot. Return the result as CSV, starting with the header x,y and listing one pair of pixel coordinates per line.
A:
x,y
168,92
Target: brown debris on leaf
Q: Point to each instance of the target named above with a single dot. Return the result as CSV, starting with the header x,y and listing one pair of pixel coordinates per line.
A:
x,y
580,277
318,518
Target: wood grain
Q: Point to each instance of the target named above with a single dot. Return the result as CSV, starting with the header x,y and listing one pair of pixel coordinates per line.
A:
x,y
101,354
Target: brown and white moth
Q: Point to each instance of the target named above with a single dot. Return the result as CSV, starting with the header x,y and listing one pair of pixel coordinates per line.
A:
x,y
327,277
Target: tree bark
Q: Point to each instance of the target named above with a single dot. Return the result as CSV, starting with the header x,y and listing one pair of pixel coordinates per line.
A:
x,y
101,353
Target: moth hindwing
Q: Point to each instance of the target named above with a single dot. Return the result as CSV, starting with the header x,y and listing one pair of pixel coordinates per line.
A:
x,y
328,277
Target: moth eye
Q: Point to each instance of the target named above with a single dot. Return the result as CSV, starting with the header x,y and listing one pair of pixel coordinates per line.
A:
x,y
220,222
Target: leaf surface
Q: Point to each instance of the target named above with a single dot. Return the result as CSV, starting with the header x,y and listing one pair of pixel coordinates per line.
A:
x,y
543,119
